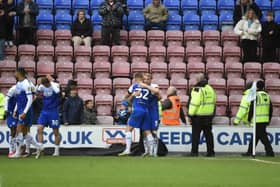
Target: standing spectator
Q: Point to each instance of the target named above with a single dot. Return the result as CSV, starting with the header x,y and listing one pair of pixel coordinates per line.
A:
x,y
27,11
249,29
73,109
269,38
156,16
81,30
243,7
112,13
10,13
2,30
123,114
125,10
89,113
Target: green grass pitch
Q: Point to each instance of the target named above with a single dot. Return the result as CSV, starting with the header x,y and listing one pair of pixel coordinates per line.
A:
x,y
78,171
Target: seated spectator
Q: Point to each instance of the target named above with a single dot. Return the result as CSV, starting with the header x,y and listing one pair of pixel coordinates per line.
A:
x,y
10,13
73,109
269,38
2,30
81,30
123,114
112,13
89,113
156,16
242,8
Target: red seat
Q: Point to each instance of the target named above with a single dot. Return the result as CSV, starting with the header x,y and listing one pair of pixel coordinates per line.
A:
x,y
138,53
103,86
63,37
275,99
137,38
275,121
102,69
233,70
45,68
215,70
194,54
158,69
235,86
142,67
104,104
26,52
120,69
271,70
120,53
195,68
229,38
174,38
192,38
157,54
221,120
10,53
7,68
101,53
162,83
219,85
85,85
45,37
211,38
181,85
64,70
175,54
234,102
123,37
45,52
29,67
64,53
82,54
232,54
96,37
213,54
6,83
83,70
221,105
252,70
177,70
121,85
63,82
155,38
105,120
184,102
118,101
272,86
86,97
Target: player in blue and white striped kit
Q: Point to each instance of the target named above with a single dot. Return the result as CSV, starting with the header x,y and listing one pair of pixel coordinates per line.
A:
x,y
49,116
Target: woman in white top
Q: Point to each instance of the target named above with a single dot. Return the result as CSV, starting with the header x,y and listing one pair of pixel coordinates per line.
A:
x,y
249,29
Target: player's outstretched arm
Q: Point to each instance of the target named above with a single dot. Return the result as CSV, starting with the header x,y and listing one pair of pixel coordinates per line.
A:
x,y
151,88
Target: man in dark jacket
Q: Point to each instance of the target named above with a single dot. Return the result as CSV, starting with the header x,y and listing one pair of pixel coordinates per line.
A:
x,y
10,13
73,109
2,30
112,13
81,30
27,11
241,9
270,35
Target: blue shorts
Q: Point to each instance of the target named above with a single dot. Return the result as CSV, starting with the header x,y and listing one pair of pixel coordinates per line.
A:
x,y
49,119
140,119
27,121
11,121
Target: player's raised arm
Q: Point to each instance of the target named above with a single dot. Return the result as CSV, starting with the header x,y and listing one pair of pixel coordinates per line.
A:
x,y
154,90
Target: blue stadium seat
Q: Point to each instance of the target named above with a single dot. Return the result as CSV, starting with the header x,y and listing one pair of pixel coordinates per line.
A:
x,y
45,21
136,20
223,12
264,4
135,4
148,2
225,5
277,18
95,4
174,22
80,4
62,6
209,22
63,21
173,6
207,6
96,20
226,22
191,22
189,6
45,4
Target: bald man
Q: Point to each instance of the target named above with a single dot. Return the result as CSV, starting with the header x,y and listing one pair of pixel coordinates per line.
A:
x,y
172,110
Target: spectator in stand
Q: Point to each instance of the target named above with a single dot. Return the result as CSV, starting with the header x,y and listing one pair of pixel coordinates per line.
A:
x,y
70,85
2,30
123,114
89,113
242,8
125,10
156,15
81,30
269,38
249,29
10,13
73,109
112,13
27,11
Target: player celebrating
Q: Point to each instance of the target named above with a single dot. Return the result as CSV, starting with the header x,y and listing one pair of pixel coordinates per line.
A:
x,y
49,115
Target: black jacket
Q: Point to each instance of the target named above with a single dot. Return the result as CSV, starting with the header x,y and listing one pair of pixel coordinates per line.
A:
x,y
237,14
81,29
73,110
112,15
2,23
269,41
34,11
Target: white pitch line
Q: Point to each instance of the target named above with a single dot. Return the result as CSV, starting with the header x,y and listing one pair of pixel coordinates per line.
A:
x,y
266,161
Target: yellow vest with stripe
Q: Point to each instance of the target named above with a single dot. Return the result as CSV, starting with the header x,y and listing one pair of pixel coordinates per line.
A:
x,y
172,115
243,111
2,109
203,100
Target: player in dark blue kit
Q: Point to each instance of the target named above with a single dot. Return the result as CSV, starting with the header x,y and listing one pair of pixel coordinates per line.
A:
x,y
49,116
140,94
